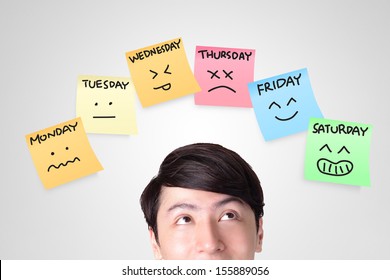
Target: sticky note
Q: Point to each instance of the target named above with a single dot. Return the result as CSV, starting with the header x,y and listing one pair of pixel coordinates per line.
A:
x,y
62,153
224,74
106,104
161,72
338,152
284,104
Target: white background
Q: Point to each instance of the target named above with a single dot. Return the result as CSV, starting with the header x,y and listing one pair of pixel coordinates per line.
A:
x,y
45,45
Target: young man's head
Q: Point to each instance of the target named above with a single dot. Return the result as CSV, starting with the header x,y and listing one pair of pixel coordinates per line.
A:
x,y
205,203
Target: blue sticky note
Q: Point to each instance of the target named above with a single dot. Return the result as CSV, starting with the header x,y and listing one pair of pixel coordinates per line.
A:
x,y
284,104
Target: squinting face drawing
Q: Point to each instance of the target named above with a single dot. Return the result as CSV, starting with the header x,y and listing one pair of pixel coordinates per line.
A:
x,y
161,72
161,79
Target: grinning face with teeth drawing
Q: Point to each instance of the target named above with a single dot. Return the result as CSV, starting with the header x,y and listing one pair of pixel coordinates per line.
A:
x,y
338,152
340,167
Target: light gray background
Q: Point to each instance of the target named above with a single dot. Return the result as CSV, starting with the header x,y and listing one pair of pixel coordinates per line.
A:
x,y
46,44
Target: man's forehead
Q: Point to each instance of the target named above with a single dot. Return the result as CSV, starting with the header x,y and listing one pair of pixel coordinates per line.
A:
x,y
176,197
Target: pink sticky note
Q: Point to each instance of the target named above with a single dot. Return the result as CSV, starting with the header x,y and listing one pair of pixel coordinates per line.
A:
x,y
223,75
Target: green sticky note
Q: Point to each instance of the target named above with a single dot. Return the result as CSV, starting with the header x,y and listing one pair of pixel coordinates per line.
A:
x,y
338,152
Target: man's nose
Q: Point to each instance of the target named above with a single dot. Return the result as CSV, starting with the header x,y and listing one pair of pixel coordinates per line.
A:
x,y
208,239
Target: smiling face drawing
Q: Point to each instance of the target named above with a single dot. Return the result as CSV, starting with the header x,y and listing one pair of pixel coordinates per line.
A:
x,y
227,75
276,105
339,168
166,86
53,154
283,104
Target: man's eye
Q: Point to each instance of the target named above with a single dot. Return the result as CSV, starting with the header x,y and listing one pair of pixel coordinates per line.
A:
x,y
229,216
184,220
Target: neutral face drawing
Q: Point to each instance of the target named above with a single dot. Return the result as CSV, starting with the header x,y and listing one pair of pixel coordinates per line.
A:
x,y
62,164
166,86
225,75
107,106
339,168
97,104
276,105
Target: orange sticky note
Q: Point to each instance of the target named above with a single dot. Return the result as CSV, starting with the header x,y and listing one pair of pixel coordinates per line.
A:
x,y
161,72
62,153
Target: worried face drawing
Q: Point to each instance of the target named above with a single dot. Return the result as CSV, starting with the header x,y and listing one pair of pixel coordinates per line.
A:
x,y
340,168
63,163
274,105
62,153
165,86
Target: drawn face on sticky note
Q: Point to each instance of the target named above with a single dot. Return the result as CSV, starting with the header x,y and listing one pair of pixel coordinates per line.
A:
x,y
338,152
161,72
223,75
62,153
106,104
284,104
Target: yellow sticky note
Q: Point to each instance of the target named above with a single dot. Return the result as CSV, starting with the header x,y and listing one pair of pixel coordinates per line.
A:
x,y
161,72
106,104
62,153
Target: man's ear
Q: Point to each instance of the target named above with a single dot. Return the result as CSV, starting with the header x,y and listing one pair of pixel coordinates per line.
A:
x,y
155,246
260,235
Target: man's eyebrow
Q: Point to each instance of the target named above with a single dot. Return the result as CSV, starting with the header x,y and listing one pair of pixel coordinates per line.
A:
x,y
227,200
188,206
216,205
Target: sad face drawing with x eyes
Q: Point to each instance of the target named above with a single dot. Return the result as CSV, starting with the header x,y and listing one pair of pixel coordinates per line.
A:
x,y
223,77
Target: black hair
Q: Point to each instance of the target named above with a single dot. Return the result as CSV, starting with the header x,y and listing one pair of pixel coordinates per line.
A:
x,y
206,167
